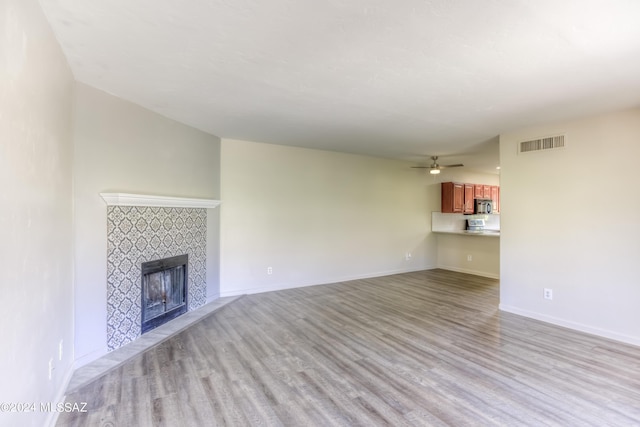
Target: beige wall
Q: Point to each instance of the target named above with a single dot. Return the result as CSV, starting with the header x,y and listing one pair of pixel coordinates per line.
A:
x,y
569,223
318,217
466,176
35,213
485,254
122,147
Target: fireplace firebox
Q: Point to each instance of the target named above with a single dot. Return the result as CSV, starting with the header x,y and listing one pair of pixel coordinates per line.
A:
x,y
164,290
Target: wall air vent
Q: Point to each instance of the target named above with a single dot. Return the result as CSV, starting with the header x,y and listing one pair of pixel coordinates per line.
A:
x,y
542,144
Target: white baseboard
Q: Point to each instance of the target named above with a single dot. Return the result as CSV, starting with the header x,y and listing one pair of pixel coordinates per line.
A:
x,y
470,271
280,287
52,418
211,298
90,357
628,339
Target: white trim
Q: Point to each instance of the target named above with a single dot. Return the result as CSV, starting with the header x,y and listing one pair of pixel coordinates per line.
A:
x,y
628,339
328,281
486,274
52,418
125,199
90,357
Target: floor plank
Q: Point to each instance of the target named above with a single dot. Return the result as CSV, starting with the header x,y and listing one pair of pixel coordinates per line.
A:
x,y
427,348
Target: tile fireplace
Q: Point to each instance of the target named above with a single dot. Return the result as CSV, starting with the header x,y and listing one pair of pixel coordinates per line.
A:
x,y
137,235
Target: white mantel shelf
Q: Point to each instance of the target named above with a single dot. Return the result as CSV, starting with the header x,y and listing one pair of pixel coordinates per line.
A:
x,y
126,199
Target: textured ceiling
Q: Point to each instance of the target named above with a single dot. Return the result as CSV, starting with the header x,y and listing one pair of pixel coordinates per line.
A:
x,y
401,79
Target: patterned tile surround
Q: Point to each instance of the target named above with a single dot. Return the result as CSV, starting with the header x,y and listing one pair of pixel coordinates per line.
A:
x,y
137,234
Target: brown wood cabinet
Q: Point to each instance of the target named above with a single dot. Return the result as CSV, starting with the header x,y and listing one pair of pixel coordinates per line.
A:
x,y
452,197
478,191
459,197
486,190
469,198
495,196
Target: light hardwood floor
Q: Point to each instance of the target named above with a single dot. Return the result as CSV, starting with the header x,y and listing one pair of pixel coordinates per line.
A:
x,y
428,348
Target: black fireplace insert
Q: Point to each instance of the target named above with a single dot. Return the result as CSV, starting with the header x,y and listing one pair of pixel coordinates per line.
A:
x,y
164,290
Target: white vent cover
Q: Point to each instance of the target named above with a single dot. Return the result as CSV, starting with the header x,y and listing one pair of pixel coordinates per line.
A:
x,y
541,144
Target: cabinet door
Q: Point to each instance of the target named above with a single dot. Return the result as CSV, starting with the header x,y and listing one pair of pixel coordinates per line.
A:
x,y
468,198
486,190
458,198
478,191
452,197
495,196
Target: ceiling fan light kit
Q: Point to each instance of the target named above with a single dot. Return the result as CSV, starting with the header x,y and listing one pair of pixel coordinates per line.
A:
x,y
434,169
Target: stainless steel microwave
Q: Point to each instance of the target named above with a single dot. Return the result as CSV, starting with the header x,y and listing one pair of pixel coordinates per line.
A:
x,y
483,206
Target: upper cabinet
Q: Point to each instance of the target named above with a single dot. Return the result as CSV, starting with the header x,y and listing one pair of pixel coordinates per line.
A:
x,y
478,191
468,198
486,190
452,197
495,196
459,197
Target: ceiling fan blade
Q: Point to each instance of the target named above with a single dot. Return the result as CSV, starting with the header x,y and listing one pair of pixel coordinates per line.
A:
x,y
435,165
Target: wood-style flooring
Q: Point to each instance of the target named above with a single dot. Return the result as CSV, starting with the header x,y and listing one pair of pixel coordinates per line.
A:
x,y
419,349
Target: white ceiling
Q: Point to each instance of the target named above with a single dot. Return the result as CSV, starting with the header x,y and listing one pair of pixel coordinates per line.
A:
x,y
392,78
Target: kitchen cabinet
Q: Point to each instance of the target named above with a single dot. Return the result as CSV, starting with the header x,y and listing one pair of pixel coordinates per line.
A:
x,y
459,197
486,191
478,191
495,196
452,197
469,192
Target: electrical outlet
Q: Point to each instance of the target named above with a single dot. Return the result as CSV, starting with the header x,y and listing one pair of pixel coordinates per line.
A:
x,y
548,293
469,258
407,256
269,270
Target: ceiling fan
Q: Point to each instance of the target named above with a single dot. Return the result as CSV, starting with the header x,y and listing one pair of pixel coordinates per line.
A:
x,y
434,169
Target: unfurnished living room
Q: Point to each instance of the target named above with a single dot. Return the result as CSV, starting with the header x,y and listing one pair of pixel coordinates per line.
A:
x,y
295,213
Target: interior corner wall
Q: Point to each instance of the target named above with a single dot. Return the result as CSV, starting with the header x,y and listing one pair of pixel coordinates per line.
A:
x,y
35,214
213,229
123,147
569,224
317,217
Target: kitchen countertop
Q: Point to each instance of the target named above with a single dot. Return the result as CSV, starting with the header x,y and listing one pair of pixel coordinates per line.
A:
x,y
483,233
444,223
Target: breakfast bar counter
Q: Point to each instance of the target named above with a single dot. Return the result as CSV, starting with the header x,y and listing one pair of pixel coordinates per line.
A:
x,y
483,233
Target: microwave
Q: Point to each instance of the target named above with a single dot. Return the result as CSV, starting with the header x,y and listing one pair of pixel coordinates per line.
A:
x,y
483,206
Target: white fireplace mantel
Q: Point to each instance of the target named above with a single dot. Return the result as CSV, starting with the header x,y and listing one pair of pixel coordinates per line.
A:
x,y
126,199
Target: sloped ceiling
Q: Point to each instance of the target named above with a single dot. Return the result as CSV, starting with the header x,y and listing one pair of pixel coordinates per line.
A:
x,y
400,79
